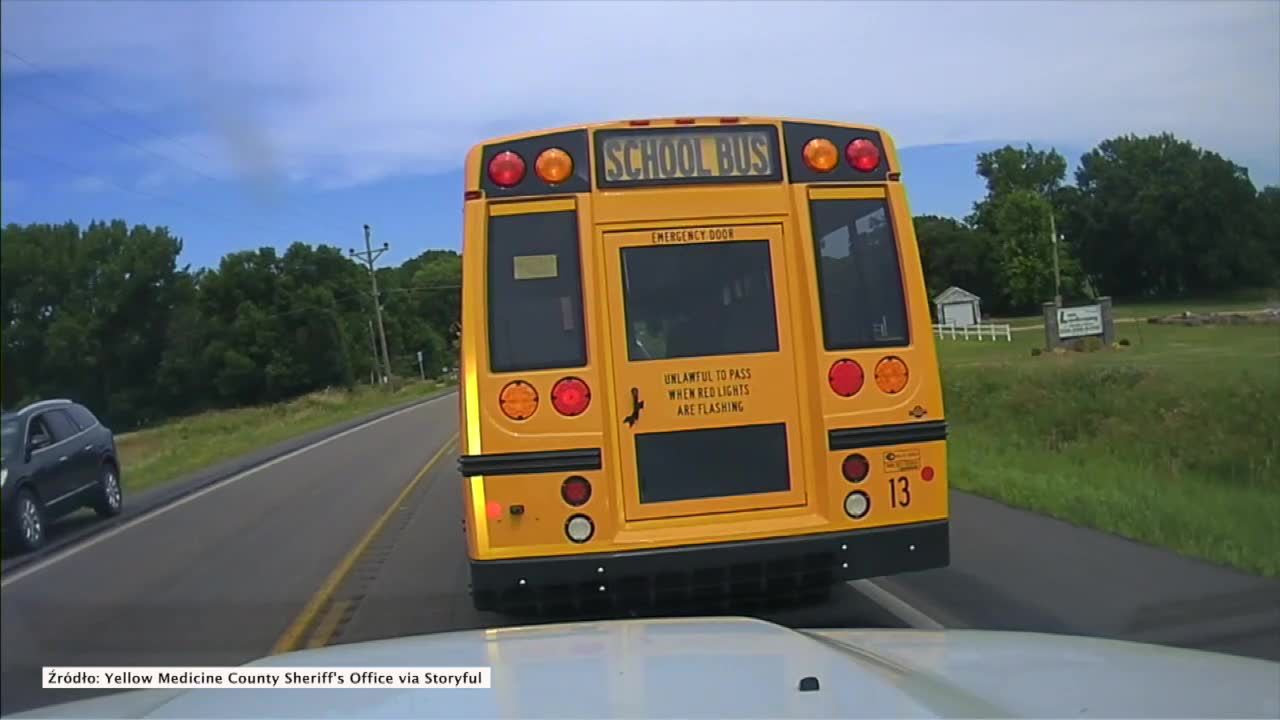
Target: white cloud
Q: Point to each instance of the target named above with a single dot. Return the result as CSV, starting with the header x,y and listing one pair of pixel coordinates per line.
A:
x,y
338,94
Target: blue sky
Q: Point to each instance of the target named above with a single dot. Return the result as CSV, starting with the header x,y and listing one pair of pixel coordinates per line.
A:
x,y
245,124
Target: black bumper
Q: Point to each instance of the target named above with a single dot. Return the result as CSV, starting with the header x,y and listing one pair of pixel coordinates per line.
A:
x,y
781,565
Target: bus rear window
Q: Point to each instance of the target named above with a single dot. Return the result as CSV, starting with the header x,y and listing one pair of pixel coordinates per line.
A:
x,y
535,293
699,300
859,278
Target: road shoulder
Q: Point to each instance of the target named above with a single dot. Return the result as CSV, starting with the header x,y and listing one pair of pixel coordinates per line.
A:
x,y
1012,569
75,530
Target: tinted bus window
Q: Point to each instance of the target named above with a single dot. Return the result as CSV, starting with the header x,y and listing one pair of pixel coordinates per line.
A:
x,y
858,275
535,293
698,300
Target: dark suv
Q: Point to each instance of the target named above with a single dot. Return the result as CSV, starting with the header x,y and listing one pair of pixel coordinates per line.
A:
x,y
56,458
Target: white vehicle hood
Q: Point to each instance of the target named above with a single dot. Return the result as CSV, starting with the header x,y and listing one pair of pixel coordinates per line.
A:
x,y
744,668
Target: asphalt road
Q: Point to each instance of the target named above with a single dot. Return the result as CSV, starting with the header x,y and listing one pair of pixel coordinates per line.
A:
x,y
214,580
359,537
221,577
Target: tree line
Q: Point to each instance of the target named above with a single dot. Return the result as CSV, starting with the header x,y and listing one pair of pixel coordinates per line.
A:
x,y
1147,217
106,314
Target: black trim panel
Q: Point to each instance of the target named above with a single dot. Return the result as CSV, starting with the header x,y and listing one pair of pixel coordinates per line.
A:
x,y
854,438
797,134
737,567
573,142
521,463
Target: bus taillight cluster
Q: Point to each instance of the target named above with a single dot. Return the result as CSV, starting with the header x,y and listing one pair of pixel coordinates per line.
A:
x,y
820,155
846,377
570,397
553,167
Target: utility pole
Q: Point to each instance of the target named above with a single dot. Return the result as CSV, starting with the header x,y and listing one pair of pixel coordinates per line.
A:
x,y
1057,280
377,363
369,257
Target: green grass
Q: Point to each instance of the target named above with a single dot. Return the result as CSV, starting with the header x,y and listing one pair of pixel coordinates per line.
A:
x,y
1143,309
166,452
1173,441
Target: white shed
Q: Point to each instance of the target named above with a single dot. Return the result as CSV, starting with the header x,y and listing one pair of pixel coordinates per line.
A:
x,y
959,307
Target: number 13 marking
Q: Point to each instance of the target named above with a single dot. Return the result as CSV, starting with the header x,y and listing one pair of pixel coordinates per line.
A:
x,y
899,492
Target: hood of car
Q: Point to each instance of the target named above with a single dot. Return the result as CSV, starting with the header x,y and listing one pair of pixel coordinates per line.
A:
x,y
738,667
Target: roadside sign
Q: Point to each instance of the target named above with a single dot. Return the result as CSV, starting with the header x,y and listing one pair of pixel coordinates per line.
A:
x,y
1080,321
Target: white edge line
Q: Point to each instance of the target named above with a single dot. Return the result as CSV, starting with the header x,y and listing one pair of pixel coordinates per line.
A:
x,y
38,565
896,606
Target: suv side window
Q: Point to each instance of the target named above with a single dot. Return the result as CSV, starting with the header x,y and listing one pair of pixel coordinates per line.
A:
x,y
39,428
82,416
59,424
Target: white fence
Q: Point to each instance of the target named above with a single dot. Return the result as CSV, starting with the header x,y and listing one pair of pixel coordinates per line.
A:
x,y
981,331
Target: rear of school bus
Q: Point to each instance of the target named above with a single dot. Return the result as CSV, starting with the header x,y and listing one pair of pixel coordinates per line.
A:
x,y
696,358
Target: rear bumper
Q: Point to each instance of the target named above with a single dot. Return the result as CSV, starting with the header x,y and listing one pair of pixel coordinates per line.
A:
x,y
748,567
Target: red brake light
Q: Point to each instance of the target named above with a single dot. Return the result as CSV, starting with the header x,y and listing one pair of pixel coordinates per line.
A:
x,y
926,474
862,154
493,509
845,378
576,491
855,468
506,169
570,396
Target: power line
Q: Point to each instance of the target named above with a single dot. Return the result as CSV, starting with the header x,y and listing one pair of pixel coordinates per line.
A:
x,y
105,103
142,193
64,112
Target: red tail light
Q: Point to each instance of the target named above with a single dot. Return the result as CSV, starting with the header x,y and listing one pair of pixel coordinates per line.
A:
x,y
506,169
855,468
576,491
926,474
863,155
845,378
570,396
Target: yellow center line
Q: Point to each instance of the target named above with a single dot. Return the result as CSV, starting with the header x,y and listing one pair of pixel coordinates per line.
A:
x,y
293,635
328,624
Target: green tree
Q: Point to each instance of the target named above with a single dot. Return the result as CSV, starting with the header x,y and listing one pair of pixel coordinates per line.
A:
x,y
1024,195
954,253
1160,216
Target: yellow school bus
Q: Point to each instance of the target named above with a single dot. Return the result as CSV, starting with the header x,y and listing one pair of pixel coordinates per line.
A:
x,y
695,359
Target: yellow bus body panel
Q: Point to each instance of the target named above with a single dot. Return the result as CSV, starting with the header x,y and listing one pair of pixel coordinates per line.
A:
x,y
610,220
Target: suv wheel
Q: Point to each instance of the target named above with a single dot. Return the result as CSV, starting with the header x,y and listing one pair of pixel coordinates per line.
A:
x,y
110,496
28,522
